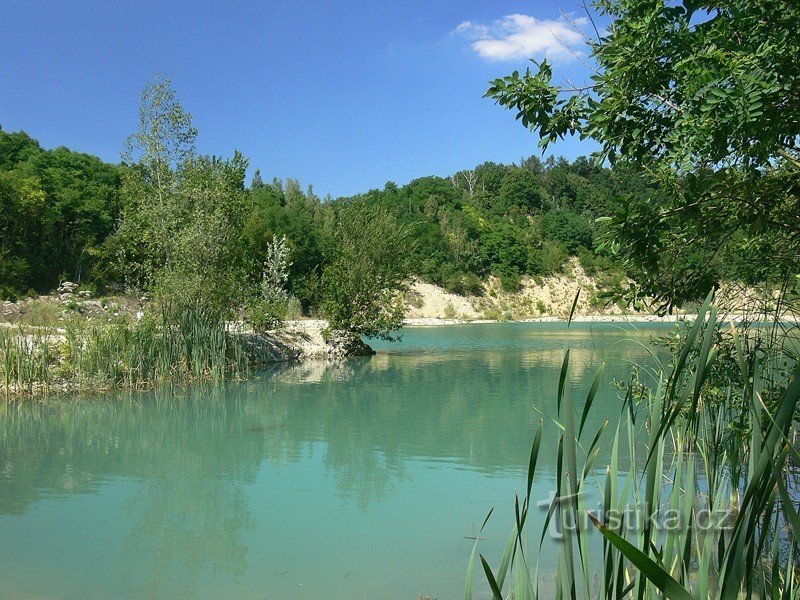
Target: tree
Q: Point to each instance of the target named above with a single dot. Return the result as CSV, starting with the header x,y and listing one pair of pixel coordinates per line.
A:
x,y
365,272
268,308
701,96
570,229
520,191
56,209
506,252
288,212
183,214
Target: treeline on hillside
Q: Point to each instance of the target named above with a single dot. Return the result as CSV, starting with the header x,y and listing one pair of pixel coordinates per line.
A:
x,y
57,209
61,212
174,223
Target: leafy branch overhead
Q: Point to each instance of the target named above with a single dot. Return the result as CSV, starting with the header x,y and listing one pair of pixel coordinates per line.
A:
x,y
702,97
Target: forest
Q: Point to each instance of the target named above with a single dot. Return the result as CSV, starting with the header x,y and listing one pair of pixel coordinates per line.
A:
x,y
70,216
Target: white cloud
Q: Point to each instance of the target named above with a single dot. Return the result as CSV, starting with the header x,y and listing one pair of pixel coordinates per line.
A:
x,y
522,36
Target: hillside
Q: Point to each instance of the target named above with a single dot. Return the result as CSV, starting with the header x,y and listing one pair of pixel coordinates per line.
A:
x,y
550,296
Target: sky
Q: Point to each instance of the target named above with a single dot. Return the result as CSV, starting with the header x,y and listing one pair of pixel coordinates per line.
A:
x,y
342,95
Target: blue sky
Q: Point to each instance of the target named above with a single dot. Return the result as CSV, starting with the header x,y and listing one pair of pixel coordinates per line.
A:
x,y
342,95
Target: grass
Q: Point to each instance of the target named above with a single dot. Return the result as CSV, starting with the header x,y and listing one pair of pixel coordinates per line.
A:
x,y
172,346
41,313
734,458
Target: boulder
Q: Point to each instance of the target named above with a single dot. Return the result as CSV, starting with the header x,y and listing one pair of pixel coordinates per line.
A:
x,y
67,287
340,344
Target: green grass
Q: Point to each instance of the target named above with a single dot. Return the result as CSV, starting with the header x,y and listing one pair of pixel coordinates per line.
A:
x,y
172,346
736,457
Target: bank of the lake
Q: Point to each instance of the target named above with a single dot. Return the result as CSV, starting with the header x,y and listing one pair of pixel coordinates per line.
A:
x,y
41,361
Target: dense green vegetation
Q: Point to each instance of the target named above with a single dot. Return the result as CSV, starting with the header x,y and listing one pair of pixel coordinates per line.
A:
x,y
711,514
701,98
168,347
112,227
57,208
83,215
184,227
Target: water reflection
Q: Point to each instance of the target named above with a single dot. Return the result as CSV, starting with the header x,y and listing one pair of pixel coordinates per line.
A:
x,y
202,487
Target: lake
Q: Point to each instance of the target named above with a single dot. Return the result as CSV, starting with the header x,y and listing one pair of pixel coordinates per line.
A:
x,y
359,479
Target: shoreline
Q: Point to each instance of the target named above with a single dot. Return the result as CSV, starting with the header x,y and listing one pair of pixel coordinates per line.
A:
x,y
436,321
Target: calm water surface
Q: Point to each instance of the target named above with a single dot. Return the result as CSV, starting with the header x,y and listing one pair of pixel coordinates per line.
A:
x,y
362,479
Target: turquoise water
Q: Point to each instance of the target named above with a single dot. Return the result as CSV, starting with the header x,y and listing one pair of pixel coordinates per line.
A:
x,y
362,479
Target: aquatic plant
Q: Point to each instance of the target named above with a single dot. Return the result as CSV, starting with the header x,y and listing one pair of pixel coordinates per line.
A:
x,y
185,345
691,460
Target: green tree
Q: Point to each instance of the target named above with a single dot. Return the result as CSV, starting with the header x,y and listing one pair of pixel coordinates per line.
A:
x,y
366,271
702,97
506,252
572,230
521,191
295,215
183,214
56,209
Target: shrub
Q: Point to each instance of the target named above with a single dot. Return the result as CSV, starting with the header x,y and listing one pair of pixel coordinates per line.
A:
x,y
510,280
41,313
367,268
548,259
270,307
572,230
492,314
464,284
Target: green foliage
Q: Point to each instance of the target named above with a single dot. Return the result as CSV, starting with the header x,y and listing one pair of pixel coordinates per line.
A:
x,y
184,229
188,231
57,207
547,259
272,304
697,97
179,235
504,247
568,228
520,191
367,267
172,346
280,210
711,482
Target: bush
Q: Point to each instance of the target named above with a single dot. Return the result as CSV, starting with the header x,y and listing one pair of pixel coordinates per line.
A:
x,y
271,305
505,248
572,230
510,280
492,314
367,268
41,312
463,284
473,284
548,259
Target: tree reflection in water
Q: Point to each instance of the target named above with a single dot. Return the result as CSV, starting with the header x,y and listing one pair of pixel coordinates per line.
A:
x,y
191,457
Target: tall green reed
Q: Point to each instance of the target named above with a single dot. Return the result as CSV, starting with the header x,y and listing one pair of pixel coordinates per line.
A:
x,y
26,359
170,346
696,465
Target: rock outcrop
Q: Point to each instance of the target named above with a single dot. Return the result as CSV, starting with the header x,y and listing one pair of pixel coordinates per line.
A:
x,y
305,339
341,344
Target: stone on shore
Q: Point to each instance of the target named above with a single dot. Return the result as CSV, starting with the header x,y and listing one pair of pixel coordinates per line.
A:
x,y
341,344
307,339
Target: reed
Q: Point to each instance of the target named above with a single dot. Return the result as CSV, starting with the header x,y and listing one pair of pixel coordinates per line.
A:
x,y
691,457
172,346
